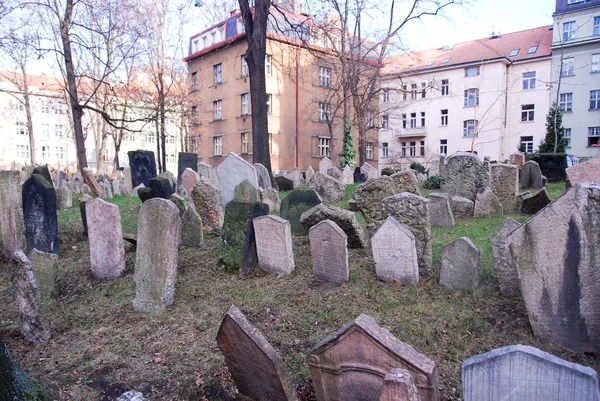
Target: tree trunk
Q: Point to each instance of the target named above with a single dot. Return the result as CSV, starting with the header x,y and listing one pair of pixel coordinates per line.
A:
x,y
28,114
163,136
158,158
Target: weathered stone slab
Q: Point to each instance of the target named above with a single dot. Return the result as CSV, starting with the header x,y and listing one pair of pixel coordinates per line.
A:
x,y
359,177
395,253
106,189
324,165
90,181
406,181
588,171
284,183
207,202
533,203
127,178
246,192
64,198
531,176
329,252
270,197
504,263
399,385
369,171
45,270
462,208
504,182
462,173
262,175
439,209
335,172
521,372
142,166
35,327
86,190
309,173
296,203
330,189
189,179
191,229
517,159
351,364
205,170
186,160
156,256
180,203
347,175
105,234
295,176
123,190
460,265
11,212
43,171
161,187
487,204
345,219
368,198
232,171
39,215
274,244
255,366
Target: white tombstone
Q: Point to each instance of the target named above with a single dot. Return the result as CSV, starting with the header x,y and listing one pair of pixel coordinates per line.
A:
x,y
324,165
395,253
231,172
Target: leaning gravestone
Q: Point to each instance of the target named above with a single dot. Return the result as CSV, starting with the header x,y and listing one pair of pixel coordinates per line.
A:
x,y
439,208
105,234
487,204
142,166
274,244
345,219
395,253
585,172
82,201
189,179
460,265
186,160
45,271
406,181
336,173
238,242
399,384
270,197
246,192
232,171
533,203
284,183
262,175
35,328
504,264
521,372
44,172
39,215
329,252
64,198
91,182
462,208
556,253
531,176
330,189
296,203
504,182
351,364
369,171
207,202
11,212
309,174
156,256
368,198
462,173
191,229
255,366
294,175
324,165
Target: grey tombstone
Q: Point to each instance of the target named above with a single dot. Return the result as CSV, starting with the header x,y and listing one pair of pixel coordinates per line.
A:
x,y
262,175
35,327
274,244
255,366
531,176
116,187
123,189
368,198
191,229
127,178
39,214
345,219
524,373
504,264
588,171
11,212
106,190
156,256
294,175
324,165
64,198
180,203
329,252
207,202
45,270
270,197
462,173
504,182
487,204
335,172
556,253
399,385
406,181
395,253
440,211
246,192
369,171
105,234
462,208
296,203
86,190
232,171
284,183
205,170
309,173
330,189
92,183
460,265
533,203
347,175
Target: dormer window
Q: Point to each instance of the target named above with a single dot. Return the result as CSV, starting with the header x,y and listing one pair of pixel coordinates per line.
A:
x,y
444,61
430,63
532,49
514,52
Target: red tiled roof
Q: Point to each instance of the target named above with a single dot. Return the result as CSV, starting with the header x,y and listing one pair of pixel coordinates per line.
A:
x,y
42,82
476,51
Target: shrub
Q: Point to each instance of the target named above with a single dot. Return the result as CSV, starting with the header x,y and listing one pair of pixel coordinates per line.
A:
x,y
432,182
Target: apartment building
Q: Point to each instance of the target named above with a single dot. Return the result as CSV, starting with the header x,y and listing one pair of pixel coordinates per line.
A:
x,y
489,96
303,96
576,73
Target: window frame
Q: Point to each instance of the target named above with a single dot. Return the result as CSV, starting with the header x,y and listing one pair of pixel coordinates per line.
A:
x,y
324,111
568,31
385,95
593,136
385,121
567,102
22,128
595,99
325,77
245,104
595,65
413,120
385,150
218,110
268,64
567,135
269,103
218,74
471,96
245,71
472,71
528,144
245,143
444,118
443,146
527,113
529,80
370,118
323,146
596,30
567,67
422,119
369,150
218,145
195,81
445,87
470,128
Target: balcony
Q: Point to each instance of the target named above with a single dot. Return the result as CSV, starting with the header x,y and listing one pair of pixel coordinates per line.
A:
x,y
411,132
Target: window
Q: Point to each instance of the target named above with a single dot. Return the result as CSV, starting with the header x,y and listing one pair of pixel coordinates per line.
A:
x,y
323,147
422,148
532,49
472,97
566,102
596,25
593,136
194,145
245,141
595,100
204,41
217,145
213,36
444,122
46,152
412,148
385,150
269,98
370,119
194,81
385,95
423,90
324,111
150,136
404,121
596,62
171,159
23,151
105,156
472,71
443,146
58,130
171,140
413,91
218,73
268,65
218,109
22,128
46,131
527,144
195,114
45,107
422,119
60,155
385,121
325,77
568,30
369,149
244,66
413,120
445,87
403,151
244,104
568,67
444,61
469,127
527,112
514,52
529,80
567,132
404,92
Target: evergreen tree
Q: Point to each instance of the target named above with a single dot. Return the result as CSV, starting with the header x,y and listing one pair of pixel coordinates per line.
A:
x,y
348,155
554,119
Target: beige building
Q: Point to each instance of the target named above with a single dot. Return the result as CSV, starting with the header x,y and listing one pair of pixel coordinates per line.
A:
x,y
489,96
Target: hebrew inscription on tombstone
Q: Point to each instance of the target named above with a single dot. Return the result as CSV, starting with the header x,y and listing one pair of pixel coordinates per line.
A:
x,y
329,252
274,244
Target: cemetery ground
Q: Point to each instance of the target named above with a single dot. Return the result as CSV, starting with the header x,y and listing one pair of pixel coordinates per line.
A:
x,y
101,348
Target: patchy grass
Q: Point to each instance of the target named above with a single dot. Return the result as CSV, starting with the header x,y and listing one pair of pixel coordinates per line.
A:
x,y
555,189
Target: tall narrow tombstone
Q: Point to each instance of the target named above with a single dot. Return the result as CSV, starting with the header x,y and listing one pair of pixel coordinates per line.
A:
x,y
156,256
186,160
105,234
347,176
191,229
207,202
460,265
294,175
39,215
232,171
440,211
504,264
504,182
82,201
64,198
45,271
91,182
190,178
521,372
531,176
309,173
255,366
351,364
262,175
395,253
11,212
127,179
107,192
142,166
296,203
462,173
324,165
274,244
329,252
399,385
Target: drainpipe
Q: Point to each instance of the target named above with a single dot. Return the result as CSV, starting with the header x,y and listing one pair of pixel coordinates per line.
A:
x,y
505,111
297,75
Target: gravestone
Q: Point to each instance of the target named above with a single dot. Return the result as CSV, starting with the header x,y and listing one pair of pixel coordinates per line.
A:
x,y
533,203
531,176
504,264
262,175
142,166
329,252
39,215
413,211
521,372
406,181
43,171
504,182
395,253
123,190
324,165
556,253
369,171
351,364
232,171
460,265
238,242
368,198
309,174
191,229
330,189
86,190
155,271
284,183
439,209
274,244
296,203
270,197
205,170
82,201
106,189
189,179
255,366
347,175
294,175
552,165
345,219
90,181
462,208
588,171
160,187
335,172
45,271
11,212
64,198
359,176
462,173
246,192
180,203
105,234
517,159
127,178
399,385
27,295
207,202
487,204
186,160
